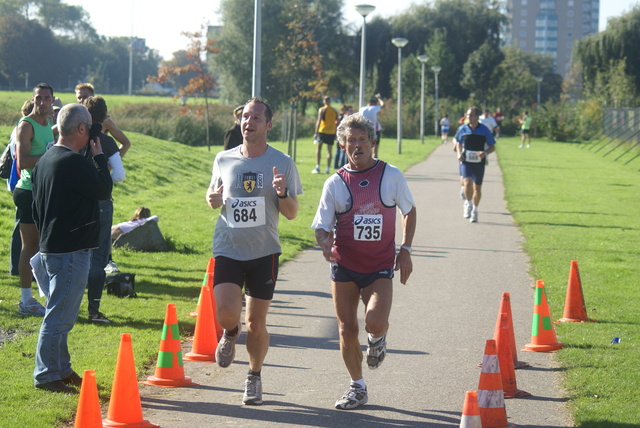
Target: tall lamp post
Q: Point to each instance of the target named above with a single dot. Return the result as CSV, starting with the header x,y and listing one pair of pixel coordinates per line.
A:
x,y
436,69
364,10
399,42
539,80
257,49
423,59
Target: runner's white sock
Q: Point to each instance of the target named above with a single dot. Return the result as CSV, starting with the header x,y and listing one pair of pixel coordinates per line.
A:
x,y
359,382
26,295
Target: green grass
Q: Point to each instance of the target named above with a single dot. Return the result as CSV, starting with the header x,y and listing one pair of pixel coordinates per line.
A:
x,y
573,204
171,179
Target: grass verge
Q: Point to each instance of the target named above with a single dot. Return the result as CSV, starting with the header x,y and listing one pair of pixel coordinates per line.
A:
x,y
171,179
573,204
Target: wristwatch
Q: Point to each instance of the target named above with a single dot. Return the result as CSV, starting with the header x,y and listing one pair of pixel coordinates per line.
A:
x,y
406,247
286,194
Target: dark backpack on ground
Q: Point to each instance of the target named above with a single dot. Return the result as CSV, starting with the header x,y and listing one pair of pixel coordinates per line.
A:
x,y
121,284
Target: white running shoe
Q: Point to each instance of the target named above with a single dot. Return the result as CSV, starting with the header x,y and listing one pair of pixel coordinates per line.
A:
x,y
33,307
315,171
467,209
226,350
474,216
352,398
376,352
252,391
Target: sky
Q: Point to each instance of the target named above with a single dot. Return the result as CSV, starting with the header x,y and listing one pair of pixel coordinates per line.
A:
x,y
161,23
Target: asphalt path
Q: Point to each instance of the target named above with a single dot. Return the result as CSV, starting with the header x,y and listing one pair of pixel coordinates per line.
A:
x,y
439,323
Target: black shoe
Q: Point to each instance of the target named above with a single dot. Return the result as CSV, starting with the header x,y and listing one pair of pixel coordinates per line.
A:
x,y
57,386
73,379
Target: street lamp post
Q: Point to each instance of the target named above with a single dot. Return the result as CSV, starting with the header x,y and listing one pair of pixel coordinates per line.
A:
x,y
436,69
423,59
257,49
539,80
399,42
364,10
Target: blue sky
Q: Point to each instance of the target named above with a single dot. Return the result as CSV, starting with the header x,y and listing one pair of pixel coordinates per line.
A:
x,y
162,25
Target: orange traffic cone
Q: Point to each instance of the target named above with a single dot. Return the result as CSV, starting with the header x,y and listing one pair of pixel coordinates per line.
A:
x,y
490,396
543,336
211,265
170,368
125,408
507,372
574,308
505,308
470,412
88,414
205,340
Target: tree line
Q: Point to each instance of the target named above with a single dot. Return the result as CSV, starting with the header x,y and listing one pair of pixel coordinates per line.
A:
x,y
308,51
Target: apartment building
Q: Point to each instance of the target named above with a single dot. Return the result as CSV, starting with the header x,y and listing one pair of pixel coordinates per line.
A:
x,y
551,27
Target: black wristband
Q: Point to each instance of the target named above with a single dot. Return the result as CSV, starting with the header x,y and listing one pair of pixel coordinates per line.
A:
x,y
286,194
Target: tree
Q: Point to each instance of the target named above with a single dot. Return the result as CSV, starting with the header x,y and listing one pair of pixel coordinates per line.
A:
x,y
202,82
297,59
600,56
478,71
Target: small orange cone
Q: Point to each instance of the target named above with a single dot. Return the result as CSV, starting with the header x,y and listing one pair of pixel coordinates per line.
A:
x,y
543,336
170,367
507,372
490,395
574,308
125,408
88,414
505,308
470,411
205,339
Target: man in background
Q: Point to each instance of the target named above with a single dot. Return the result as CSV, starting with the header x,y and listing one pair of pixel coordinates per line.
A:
x,y
371,111
325,133
86,90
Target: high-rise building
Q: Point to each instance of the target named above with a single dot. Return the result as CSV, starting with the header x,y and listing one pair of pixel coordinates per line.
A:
x,y
551,27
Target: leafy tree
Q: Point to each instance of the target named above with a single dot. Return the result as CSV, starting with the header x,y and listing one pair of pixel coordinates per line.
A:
x,y
202,82
605,56
28,47
478,71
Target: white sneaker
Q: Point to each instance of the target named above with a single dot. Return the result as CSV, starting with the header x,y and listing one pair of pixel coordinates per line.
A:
x,y
226,350
352,398
528,145
474,216
467,209
315,171
252,391
33,307
327,171
376,352
520,146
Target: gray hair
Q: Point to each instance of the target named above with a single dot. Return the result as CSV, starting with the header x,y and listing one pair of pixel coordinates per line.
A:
x,y
71,116
355,121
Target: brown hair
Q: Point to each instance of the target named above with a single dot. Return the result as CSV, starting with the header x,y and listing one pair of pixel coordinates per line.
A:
x,y
97,107
142,212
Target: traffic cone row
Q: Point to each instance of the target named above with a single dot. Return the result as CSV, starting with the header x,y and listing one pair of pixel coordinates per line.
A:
x,y
485,408
125,408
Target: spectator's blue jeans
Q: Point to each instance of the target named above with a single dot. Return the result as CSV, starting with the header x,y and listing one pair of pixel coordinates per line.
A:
x,y
100,258
67,274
